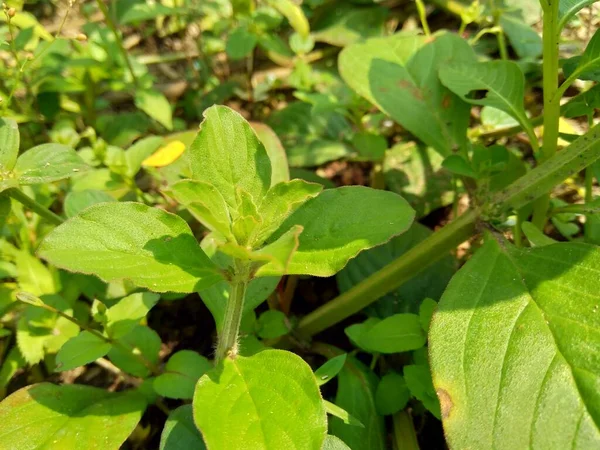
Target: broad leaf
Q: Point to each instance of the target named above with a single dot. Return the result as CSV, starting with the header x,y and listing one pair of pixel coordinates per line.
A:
x,y
140,152
77,201
9,144
48,162
335,229
501,83
586,66
568,8
345,23
68,416
180,432
227,154
181,374
418,380
240,43
80,350
392,394
399,75
395,334
275,150
127,313
356,394
156,105
523,38
255,403
136,351
116,241
518,366
334,443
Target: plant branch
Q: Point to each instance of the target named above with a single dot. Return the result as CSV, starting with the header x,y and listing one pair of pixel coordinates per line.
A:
x,y
30,203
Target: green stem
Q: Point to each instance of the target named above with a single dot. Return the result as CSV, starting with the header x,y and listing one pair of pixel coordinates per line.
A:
x,y
502,44
391,276
227,344
423,17
582,209
30,203
551,37
404,432
119,39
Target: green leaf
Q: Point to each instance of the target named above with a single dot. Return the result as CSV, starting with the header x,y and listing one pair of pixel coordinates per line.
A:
x,y
179,432
518,366
523,38
127,313
535,236
205,203
9,144
281,201
181,374
80,350
356,394
240,43
138,152
418,380
459,166
11,364
34,277
392,394
293,13
399,75
370,146
426,310
395,334
341,414
116,241
77,201
272,324
156,105
141,341
70,416
48,162
501,83
234,409
228,155
330,369
276,152
568,8
332,236
334,443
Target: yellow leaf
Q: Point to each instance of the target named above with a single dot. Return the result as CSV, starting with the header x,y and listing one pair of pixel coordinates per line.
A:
x,y
165,155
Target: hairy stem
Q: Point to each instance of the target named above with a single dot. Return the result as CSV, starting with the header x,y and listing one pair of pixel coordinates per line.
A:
x,y
30,203
227,344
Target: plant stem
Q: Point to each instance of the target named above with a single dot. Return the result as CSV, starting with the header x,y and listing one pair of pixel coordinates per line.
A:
x,y
30,203
404,432
423,17
551,37
391,276
119,39
227,344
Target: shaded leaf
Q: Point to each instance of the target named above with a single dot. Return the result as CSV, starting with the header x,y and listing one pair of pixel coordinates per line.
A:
x,y
156,105
80,350
180,432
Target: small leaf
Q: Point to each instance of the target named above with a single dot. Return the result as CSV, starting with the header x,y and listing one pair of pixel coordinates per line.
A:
x,y
330,369
140,152
332,236
116,241
342,414
426,310
228,155
156,105
501,82
418,380
395,334
272,324
180,432
77,201
457,165
68,416
392,394
139,345
181,374
127,313
9,144
165,155
294,14
536,237
233,409
240,43
80,350
370,146
48,162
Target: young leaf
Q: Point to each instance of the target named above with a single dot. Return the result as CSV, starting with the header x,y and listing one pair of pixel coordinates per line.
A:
x,y
399,75
272,324
48,162
341,414
395,334
80,350
77,201
227,154
240,43
179,432
9,144
68,416
116,241
330,369
233,409
418,380
335,229
356,394
518,366
501,82
181,374
156,105
392,394
141,341
126,314
276,152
